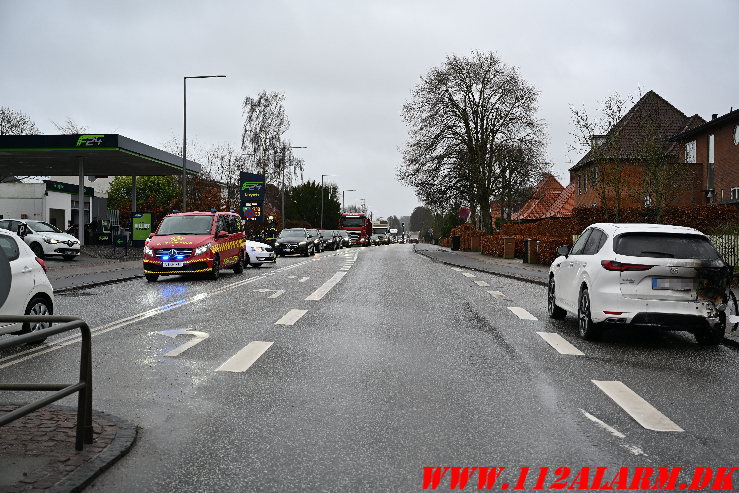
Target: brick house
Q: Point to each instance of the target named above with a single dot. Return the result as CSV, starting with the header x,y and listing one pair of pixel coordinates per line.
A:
x,y
617,158
714,146
550,199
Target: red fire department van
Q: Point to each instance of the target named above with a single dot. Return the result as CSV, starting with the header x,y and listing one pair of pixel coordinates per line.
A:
x,y
195,243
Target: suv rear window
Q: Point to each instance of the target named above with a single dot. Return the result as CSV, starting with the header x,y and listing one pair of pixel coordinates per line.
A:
x,y
665,245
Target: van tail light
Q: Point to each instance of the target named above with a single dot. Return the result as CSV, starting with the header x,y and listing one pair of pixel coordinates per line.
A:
x,y
620,266
41,263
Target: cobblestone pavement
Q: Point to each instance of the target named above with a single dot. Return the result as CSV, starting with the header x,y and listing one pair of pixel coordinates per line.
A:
x,y
37,451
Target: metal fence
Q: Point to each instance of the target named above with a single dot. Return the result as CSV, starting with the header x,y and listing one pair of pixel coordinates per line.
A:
x,y
728,247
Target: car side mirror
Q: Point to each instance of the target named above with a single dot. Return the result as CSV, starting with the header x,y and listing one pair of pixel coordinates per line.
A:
x,y
221,234
563,250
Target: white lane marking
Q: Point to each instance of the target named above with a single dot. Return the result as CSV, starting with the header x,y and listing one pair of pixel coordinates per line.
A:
x,y
321,292
468,274
481,283
560,343
497,294
292,277
522,313
643,412
199,337
303,279
291,317
246,357
609,429
457,269
634,449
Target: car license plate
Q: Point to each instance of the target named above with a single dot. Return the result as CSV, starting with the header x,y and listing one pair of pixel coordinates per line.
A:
x,y
673,283
171,264
288,249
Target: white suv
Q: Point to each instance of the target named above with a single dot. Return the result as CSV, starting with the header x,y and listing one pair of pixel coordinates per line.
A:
x,y
24,287
44,238
642,274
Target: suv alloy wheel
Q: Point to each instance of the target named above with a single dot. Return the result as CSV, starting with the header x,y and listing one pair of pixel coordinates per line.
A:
x,y
588,330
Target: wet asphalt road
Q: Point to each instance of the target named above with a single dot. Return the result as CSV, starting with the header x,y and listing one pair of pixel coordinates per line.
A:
x,y
403,363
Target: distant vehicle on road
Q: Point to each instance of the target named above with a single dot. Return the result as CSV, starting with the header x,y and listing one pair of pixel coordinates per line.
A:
x,y
258,253
359,227
414,236
44,239
641,274
346,241
24,288
294,240
319,242
195,243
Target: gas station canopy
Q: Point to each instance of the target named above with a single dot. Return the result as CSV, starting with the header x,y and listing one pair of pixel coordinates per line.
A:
x,y
101,155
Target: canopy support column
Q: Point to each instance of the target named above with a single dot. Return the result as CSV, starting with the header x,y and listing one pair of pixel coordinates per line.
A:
x,y
133,194
81,203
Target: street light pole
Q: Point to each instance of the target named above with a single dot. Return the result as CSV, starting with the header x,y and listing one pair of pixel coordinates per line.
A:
x,y
343,203
184,134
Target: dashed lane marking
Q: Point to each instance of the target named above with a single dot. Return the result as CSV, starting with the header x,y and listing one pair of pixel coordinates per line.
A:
x,y
291,317
303,279
481,283
457,269
560,344
497,295
241,361
522,313
637,407
321,292
634,449
468,274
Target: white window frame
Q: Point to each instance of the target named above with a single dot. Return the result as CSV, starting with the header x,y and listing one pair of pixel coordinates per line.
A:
x,y
690,156
734,193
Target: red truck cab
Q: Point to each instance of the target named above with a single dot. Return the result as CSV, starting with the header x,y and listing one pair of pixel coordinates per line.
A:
x,y
195,243
359,227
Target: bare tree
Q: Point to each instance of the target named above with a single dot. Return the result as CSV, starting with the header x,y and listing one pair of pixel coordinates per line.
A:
x,y
461,117
224,164
70,127
13,122
265,123
600,139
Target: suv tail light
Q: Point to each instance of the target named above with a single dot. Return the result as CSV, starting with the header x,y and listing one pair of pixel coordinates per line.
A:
x,y
620,266
41,263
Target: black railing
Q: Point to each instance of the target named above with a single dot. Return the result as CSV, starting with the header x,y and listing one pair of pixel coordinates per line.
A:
x,y
84,386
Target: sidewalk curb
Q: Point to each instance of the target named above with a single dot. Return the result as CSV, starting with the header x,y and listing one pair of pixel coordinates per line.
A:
x,y
125,437
96,284
509,276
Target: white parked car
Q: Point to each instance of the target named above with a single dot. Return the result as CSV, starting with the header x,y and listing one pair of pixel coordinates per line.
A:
x,y
642,274
259,253
44,239
24,287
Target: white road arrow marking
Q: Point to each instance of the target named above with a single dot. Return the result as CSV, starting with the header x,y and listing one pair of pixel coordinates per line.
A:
x,y
643,412
246,357
275,292
522,313
199,337
560,344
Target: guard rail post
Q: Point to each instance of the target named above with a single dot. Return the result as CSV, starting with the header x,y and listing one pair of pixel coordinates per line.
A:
x,y
84,386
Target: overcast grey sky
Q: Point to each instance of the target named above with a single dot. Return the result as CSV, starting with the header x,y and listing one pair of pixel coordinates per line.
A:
x,y
347,67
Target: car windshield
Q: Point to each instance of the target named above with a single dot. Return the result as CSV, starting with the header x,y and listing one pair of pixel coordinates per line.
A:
x,y
292,234
665,245
352,222
42,227
185,225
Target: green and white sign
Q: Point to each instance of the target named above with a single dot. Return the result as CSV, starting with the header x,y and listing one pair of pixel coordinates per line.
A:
x,y
141,225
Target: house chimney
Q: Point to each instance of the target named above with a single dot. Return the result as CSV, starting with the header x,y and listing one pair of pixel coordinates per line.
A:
x,y
714,116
